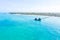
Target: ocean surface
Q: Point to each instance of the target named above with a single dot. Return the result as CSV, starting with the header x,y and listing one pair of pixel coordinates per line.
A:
x,y
24,27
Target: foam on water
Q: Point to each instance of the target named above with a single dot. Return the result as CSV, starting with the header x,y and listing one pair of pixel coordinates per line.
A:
x,y
23,27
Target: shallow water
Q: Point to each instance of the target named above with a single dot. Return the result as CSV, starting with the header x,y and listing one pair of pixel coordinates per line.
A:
x,y
23,27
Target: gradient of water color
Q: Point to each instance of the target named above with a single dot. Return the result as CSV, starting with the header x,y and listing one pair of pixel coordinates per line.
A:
x,y
23,27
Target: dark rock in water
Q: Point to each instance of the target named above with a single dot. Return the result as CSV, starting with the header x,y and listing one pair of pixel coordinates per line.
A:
x,y
35,18
39,19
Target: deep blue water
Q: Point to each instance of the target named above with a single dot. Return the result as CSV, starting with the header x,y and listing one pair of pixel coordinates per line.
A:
x,y
23,27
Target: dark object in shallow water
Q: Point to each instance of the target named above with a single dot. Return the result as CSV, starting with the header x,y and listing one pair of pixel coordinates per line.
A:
x,y
39,19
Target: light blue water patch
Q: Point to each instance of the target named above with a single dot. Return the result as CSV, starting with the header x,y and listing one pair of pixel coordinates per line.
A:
x,y
24,27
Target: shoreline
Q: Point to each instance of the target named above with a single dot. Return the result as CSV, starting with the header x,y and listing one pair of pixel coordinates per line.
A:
x,y
43,14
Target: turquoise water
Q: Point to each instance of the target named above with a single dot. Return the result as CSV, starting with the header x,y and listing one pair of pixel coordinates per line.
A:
x,y
23,27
